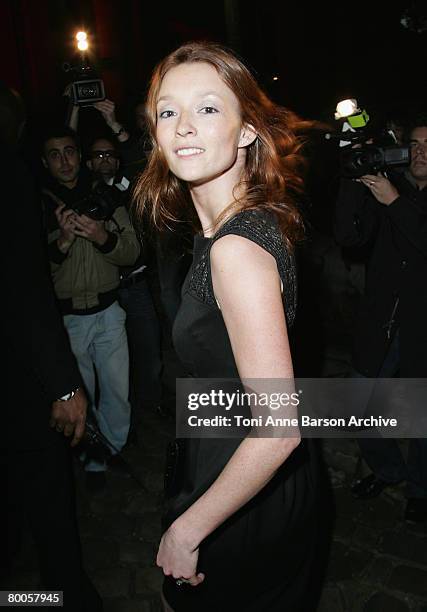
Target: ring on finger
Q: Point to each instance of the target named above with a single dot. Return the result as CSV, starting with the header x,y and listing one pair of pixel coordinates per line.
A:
x,y
181,581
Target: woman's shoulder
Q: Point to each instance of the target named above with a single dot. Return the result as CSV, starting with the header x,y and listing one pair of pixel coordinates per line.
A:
x,y
259,226
262,228
251,222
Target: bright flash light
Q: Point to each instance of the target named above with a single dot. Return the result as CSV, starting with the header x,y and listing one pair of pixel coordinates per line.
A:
x,y
345,108
81,36
275,78
82,45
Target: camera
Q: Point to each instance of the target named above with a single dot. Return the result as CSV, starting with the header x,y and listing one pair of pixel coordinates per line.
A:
x,y
101,202
383,153
86,87
370,159
86,92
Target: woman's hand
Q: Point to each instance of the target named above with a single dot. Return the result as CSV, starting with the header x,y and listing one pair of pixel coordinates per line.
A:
x,y
380,187
178,558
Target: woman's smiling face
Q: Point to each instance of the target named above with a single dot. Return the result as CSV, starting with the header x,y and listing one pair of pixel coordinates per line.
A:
x,y
199,127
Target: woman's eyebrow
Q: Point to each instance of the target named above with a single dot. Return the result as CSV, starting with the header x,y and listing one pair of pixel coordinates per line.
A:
x,y
198,94
205,94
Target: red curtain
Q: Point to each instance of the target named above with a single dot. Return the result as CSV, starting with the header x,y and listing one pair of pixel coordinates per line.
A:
x,y
26,56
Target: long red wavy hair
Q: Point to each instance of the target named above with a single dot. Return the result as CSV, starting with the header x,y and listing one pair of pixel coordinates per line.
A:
x,y
273,177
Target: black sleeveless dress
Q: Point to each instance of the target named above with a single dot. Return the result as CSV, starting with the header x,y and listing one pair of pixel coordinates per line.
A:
x,y
260,559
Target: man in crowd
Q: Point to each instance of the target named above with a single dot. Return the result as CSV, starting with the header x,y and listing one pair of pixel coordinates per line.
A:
x,y
104,160
43,387
388,214
88,241
134,147
142,323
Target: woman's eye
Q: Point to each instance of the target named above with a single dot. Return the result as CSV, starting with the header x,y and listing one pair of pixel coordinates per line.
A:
x,y
165,114
208,110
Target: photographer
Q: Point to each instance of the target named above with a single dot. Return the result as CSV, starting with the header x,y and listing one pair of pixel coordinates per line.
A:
x,y
86,252
387,215
142,323
134,147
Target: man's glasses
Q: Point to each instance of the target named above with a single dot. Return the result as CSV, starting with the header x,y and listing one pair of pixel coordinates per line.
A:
x,y
104,154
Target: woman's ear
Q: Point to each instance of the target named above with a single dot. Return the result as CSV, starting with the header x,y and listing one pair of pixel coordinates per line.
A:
x,y
247,135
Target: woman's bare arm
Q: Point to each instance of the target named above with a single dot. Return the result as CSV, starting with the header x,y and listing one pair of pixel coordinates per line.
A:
x,y
247,287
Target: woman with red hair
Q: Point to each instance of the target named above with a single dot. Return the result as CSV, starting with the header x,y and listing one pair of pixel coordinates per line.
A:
x,y
239,528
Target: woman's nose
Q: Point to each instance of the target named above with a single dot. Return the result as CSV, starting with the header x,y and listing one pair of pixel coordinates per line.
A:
x,y
185,126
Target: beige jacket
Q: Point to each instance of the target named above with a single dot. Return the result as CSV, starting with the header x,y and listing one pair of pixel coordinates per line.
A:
x,y
88,270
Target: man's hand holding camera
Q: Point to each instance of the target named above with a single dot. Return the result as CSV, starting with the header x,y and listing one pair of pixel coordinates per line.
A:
x,y
107,108
92,230
380,187
66,222
72,225
378,184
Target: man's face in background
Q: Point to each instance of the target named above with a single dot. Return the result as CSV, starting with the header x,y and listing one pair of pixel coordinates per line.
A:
x,y
418,144
62,159
104,159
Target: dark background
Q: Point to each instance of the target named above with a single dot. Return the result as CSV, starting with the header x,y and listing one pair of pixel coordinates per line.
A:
x,y
321,52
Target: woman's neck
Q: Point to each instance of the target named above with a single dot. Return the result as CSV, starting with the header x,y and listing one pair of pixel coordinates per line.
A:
x,y
211,199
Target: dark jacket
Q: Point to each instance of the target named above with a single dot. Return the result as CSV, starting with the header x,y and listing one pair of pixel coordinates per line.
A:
x,y
39,364
396,290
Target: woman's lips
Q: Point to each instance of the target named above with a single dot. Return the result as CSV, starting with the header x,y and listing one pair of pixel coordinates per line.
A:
x,y
189,151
